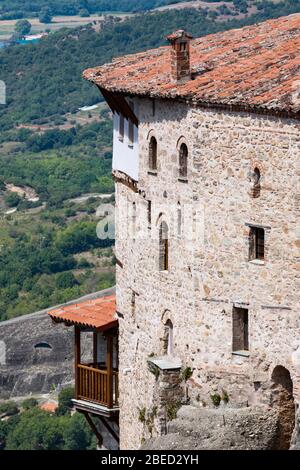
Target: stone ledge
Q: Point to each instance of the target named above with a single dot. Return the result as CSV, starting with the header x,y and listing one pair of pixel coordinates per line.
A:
x,y
166,362
258,262
241,353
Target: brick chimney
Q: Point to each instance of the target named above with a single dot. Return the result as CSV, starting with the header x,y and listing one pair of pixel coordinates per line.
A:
x,y
180,55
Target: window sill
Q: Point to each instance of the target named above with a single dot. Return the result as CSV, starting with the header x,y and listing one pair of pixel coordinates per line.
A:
x,y
152,172
258,262
130,146
182,179
241,353
121,139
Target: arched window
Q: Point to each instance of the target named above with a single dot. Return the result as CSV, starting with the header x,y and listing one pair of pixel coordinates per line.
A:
x,y
183,161
42,345
163,247
256,183
169,331
153,154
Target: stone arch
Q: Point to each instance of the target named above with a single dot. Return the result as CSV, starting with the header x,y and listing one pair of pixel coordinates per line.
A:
x,y
180,141
282,399
150,134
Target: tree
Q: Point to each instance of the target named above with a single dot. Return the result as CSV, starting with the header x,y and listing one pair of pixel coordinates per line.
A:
x,y
66,280
36,430
45,15
12,199
29,403
77,436
65,401
9,408
84,13
23,27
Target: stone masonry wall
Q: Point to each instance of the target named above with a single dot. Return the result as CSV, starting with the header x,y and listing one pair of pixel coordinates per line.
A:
x,y
209,270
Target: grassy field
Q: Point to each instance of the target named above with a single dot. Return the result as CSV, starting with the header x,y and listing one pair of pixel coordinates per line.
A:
x,y
7,26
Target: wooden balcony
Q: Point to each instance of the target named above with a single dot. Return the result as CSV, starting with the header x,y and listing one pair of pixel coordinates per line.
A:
x,y
96,384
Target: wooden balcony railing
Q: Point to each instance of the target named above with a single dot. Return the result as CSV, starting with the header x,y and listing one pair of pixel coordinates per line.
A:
x,y
97,385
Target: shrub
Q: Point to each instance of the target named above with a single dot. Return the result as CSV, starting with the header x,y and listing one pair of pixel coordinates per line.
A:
x,y
29,403
9,408
216,399
65,401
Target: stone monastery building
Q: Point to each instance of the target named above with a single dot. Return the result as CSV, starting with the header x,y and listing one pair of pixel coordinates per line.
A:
x,y
206,164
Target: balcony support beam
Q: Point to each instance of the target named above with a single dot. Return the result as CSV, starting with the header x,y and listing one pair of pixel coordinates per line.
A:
x,y
93,427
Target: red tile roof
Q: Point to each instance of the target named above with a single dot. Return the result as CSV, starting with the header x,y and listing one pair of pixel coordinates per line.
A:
x,y
98,313
50,407
254,68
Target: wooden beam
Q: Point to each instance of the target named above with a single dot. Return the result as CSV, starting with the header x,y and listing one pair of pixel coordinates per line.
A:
x,y
118,103
126,110
77,359
109,428
108,99
93,427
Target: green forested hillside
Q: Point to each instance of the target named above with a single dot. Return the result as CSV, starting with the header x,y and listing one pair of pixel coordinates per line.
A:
x,y
23,8
45,79
14,9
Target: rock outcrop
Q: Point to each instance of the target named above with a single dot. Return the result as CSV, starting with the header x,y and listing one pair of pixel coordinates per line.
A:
x,y
219,429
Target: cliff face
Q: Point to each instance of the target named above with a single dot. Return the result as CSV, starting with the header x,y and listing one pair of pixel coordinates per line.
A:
x,y
219,429
35,355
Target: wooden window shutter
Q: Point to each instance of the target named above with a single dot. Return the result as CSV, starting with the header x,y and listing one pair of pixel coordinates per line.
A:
x,y
260,243
163,247
252,243
183,158
240,330
153,154
166,257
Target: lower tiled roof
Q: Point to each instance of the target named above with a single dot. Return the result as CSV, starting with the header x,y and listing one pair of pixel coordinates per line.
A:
x,y
98,313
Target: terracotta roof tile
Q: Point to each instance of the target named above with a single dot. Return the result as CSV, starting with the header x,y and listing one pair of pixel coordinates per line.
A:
x,y
50,407
98,313
256,67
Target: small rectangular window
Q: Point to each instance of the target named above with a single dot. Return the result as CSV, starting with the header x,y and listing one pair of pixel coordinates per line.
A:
x,y
121,127
256,244
240,330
